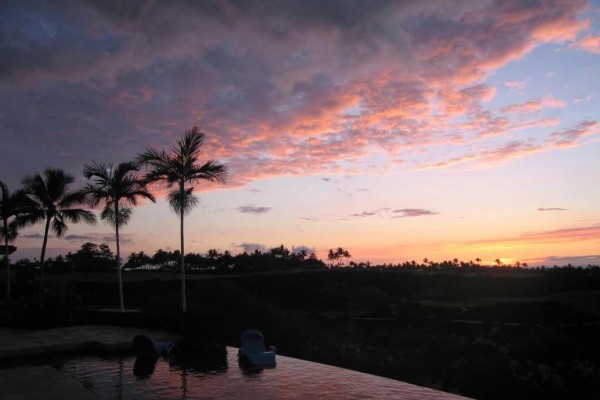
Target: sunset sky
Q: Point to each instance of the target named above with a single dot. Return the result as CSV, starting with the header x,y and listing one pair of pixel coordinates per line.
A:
x,y
397,130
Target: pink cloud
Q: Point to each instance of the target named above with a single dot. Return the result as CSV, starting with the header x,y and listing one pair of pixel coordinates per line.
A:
x,y
568,137
590,43
467,99
534,105
534,123
310,90
520,148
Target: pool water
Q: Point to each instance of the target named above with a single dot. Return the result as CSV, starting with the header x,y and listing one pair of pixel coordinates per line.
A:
x,y
220,377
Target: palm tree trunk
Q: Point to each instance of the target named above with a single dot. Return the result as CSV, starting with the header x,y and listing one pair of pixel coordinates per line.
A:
x,y
6,259
119,277
43,255
182,264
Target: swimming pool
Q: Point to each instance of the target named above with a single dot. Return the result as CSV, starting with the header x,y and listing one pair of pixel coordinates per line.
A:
x,y
220,377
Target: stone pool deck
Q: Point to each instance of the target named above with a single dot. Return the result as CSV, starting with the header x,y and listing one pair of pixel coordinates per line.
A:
x,y
46,382
19,343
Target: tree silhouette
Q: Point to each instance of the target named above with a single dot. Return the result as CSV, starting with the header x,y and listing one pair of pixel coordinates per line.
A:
x,y
91,257
118,188
54,205
179,168
337,255
281,252
12,205
137,260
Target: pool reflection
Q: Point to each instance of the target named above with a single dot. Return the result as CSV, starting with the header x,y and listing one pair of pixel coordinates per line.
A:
x,y
214,375
143,367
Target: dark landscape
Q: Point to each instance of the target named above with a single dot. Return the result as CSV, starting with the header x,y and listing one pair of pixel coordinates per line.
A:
x,y
482,332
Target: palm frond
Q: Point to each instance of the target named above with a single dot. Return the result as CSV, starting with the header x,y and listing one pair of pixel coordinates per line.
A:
x,y
95,194
13,203
35,187
96,170
69,199
10,233
28,219
58,226
108,214
182,201
152,158
210,171
189,145
57,182
136,191
77,215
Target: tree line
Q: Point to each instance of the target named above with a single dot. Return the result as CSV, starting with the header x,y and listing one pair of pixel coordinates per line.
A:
x,y
95,258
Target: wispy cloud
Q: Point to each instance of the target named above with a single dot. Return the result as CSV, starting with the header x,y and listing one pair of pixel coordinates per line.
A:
x,y
534,105
81,237
519,86
593,259
310,219
124,238
552,209
520,148
31,236
412,212
569,137
583,233
365,214
253,209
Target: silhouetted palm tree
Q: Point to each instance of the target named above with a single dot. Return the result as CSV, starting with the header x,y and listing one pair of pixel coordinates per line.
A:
x,y
177,169
12,205
118,189
54,205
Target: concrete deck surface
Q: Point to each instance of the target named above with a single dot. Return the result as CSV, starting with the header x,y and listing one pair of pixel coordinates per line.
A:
x,y
19,342
46,382
40,383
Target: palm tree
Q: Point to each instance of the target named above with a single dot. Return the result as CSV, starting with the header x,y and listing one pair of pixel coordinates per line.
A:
x,y
12,206
111,187
54,205
179,168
